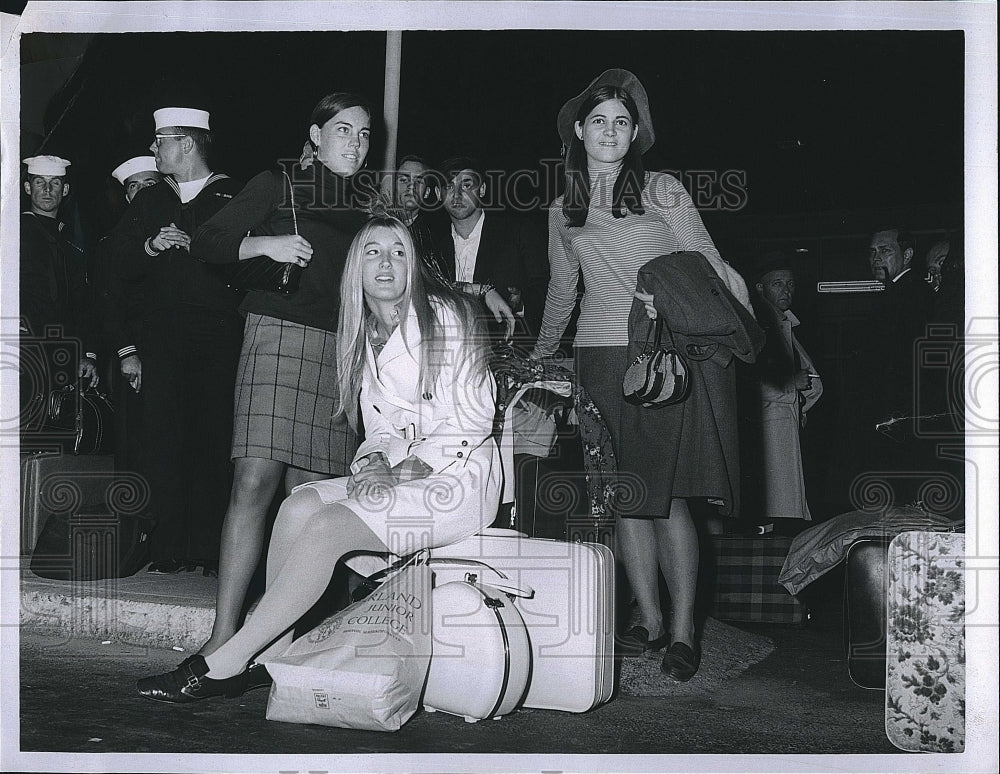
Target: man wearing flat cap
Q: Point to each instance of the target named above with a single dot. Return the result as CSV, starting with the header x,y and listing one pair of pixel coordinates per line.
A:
x,y
190,341
787,387
54,295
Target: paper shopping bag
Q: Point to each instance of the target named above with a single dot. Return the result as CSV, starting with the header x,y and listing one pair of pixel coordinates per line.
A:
x,y
363,667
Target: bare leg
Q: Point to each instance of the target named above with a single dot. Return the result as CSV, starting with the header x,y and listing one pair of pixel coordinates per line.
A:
x,y
677,546
296,476
309,538
255,481
637,550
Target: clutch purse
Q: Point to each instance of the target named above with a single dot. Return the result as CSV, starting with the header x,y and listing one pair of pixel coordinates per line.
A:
x,y
658,376
265,274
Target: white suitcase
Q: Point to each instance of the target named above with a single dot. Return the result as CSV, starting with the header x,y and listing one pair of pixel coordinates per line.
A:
x,y
480,657
570,618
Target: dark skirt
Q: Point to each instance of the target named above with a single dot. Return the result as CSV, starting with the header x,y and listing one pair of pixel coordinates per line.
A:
x,y
286,392
687,450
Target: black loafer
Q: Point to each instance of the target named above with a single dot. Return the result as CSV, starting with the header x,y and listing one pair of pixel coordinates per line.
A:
x,y
680,662
256,676
187,683
633,642
636,641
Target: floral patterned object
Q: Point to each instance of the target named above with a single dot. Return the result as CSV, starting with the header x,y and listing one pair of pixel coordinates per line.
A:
x,y
925,642
513,370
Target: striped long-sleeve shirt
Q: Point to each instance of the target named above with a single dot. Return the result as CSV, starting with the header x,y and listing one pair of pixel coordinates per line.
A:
x,y
610,251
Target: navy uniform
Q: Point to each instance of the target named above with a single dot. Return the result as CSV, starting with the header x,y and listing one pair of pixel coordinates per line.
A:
x,y
190,340
120,308
55,303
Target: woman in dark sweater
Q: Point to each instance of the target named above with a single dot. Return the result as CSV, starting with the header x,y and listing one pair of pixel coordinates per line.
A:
x,y
286,386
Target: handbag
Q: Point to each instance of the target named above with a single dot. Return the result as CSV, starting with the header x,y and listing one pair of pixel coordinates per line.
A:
x,y
264,273
363,667
86,416
658,376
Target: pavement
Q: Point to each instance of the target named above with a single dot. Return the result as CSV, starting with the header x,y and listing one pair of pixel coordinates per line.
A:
x,y
777,697
164,611
176,612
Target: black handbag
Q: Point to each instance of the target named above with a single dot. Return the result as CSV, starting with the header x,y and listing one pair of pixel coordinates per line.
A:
x,y
658,376
266,274
86,416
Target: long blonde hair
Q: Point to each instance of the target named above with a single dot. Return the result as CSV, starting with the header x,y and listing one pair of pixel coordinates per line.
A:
x,y
423,292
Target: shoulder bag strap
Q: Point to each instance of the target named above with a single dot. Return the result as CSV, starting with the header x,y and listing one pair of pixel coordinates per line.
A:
x,y
291,198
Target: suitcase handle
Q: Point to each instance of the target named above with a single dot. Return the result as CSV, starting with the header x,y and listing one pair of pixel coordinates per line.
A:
x,y
525,591
517,591
501,532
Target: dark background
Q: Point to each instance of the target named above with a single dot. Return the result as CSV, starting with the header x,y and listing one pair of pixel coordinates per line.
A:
x,y
819,121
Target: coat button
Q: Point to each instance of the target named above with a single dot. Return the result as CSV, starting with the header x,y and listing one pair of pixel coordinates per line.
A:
x,y
459,454
465,443
426,396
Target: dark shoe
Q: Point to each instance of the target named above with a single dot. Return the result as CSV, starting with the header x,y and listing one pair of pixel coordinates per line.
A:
x,y
636,641
257,676
187,683
633,642
659,643
680,662
168,567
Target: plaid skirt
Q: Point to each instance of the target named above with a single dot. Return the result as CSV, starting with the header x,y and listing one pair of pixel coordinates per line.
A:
x,y
286,390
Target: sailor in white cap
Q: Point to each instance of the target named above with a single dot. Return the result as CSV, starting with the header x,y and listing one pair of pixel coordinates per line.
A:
x,y
46,185
53,287
120,310
191,335
121,302
135,174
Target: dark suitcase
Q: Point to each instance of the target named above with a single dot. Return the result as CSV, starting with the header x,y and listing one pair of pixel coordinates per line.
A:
x,y
550,494
746,581
92,544
52,482
865,585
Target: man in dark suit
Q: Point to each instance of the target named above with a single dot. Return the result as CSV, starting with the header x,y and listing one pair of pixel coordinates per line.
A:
x,y
878,447
898,322
492,252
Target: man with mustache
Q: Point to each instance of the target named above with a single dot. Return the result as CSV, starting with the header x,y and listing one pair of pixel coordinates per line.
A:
x,y
881,383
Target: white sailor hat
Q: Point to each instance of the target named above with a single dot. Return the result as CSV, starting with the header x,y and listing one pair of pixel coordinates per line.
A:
x,y
133,166
181,116
50,166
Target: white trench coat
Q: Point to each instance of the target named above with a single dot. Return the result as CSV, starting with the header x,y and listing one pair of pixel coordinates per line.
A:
x,y
449,429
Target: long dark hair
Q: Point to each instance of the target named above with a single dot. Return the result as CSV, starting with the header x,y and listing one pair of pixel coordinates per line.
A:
x,y
627,191
333,103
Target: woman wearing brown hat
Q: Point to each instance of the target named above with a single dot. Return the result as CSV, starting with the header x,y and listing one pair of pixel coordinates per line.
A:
x,y
612,219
